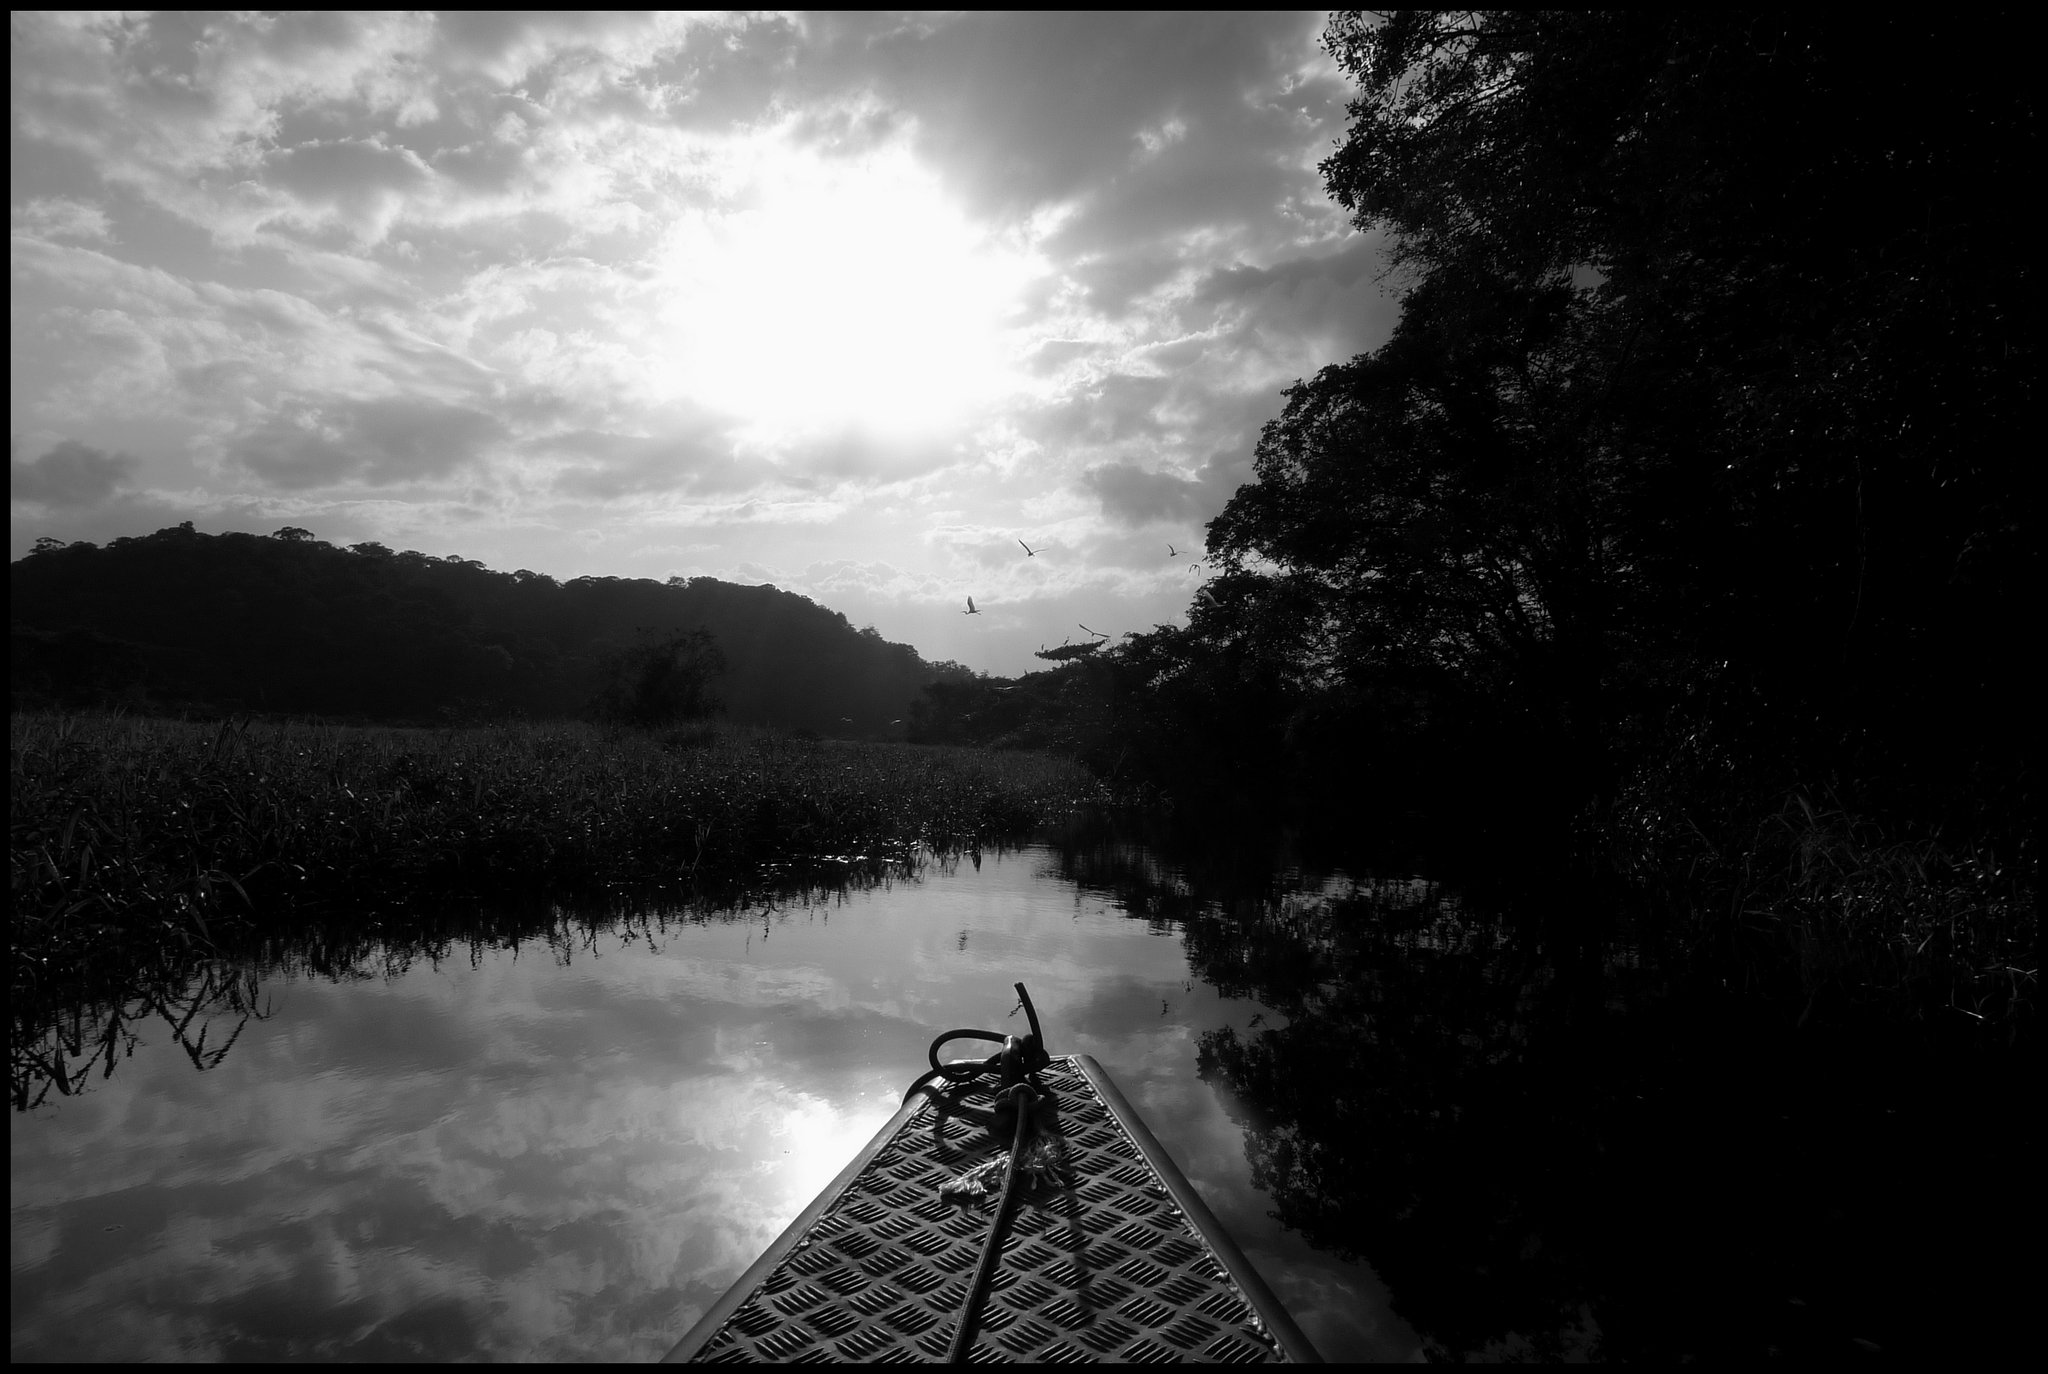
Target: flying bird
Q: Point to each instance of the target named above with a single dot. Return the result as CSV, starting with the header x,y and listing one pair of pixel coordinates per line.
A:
x,y
1172,552
1209,597
1097,633
970,608
1029,552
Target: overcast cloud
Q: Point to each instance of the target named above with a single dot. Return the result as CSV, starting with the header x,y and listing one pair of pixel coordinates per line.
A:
x,y
849,303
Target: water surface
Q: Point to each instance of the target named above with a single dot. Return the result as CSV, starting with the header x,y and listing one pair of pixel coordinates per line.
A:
x,y
567,1151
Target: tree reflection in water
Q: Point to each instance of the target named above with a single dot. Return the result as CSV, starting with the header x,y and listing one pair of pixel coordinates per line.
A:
x,y
1552,1149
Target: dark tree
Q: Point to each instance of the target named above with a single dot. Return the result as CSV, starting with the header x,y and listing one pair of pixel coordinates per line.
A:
x,y
1703,414
662,681
237,622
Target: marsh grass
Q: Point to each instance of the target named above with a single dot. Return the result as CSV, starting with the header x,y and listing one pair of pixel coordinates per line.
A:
x,y
128,833
1825,908
1909,925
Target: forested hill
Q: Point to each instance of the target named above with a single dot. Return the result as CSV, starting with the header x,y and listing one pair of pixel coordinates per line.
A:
x,y
288,623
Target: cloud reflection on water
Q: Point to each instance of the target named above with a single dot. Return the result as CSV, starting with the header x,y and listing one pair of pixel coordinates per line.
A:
x,y
517,1157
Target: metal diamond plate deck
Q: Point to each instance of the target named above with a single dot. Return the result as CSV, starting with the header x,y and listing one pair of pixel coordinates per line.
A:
x,y
1115,1259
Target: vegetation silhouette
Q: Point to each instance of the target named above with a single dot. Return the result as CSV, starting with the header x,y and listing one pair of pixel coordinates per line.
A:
x,y
144,853
180,621
1661,582
661,681
1677,543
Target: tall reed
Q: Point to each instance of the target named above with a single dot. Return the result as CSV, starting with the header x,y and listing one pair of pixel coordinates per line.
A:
x,y
123,829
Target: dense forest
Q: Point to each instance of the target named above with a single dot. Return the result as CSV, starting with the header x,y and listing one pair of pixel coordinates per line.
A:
x,y
183,621
1681,537
1696,454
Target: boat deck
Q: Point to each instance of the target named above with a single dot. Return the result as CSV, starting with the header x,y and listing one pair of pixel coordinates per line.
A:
x,y
1113,1258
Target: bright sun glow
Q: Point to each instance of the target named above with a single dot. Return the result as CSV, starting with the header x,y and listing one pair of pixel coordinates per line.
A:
x,y
839,295
821,1141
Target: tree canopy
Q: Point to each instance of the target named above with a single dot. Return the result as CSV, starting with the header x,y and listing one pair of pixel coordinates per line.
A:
x,y
181,620
1714,360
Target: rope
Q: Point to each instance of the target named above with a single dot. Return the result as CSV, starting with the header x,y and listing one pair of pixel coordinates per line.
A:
x,y
992,1248
963,1071
1019,1059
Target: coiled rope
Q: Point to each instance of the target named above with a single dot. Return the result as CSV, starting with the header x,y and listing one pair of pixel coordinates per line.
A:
x,y
1018,1061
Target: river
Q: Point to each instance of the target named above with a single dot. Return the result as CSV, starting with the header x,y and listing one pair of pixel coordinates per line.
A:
x,y
1483,1132
567,1149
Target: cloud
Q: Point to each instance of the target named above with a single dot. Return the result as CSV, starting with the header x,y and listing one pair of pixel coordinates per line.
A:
x,y
1053,355
855,455
359,182
1117,407
153,98
482,273
842,580
1113,285
261,127
52,217
391,440
694,455
70,476
730,73
1133,496
1333,301
1027,110
544,51
122,338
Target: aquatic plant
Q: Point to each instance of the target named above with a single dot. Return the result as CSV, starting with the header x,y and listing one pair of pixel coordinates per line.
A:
x,y
1914,923
1799,895
125,829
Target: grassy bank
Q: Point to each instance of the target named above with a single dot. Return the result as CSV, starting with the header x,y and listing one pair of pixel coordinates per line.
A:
x,y
1821,907
123,829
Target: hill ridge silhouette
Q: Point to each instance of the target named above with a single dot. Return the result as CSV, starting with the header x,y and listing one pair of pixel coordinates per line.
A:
x,y
287,623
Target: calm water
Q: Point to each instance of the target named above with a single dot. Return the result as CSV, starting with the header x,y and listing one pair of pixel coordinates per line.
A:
x,y
568,1153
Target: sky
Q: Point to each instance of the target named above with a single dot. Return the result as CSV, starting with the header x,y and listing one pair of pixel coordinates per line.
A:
x,y
849,304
